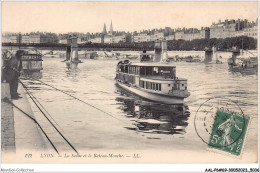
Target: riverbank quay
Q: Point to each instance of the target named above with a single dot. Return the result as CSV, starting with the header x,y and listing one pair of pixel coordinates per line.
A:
x,y
19,132
7,121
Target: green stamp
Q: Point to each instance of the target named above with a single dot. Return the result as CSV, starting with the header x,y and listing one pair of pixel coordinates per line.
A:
x,y
228,131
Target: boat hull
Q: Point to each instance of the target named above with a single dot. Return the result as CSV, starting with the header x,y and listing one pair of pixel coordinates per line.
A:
x,y
152,96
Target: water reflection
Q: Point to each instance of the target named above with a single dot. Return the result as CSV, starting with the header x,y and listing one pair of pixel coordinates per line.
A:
x,y
243,71
72,69
95,82
30,77
32,74
154,118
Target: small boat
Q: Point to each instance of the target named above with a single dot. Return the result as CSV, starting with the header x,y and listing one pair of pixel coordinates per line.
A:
x,y
243,61
218,61
129,56
87,55
156,81
170,59
193,59
49,54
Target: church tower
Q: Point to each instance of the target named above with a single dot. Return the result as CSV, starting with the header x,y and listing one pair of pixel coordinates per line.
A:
x,y
111,29
104,29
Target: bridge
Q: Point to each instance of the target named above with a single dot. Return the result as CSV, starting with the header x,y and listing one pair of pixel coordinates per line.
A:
x,y
85,46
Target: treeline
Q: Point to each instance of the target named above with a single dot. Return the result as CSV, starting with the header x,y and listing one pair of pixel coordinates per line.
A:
x,y
221,44
196,44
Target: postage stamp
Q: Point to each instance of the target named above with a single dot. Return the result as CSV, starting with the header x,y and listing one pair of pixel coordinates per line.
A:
x,y
222,125
229,131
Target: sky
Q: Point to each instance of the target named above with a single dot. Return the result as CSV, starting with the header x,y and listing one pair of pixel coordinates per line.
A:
x,y
62,17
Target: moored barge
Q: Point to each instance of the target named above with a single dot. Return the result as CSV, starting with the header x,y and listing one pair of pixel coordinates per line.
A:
x,y
31,62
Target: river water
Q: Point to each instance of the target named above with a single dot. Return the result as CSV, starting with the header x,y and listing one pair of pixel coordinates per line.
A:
x,y
133,123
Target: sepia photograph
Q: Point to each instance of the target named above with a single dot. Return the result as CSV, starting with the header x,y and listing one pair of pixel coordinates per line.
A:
x,y
129,82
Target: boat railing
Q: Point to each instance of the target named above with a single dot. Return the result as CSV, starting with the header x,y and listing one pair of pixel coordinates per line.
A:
x,y
160,77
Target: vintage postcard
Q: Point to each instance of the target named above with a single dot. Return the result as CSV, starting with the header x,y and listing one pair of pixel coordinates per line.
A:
x,y
129,82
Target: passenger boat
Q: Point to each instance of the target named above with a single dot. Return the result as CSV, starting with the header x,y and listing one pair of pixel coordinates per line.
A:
x,y
193,59
31,62
152,79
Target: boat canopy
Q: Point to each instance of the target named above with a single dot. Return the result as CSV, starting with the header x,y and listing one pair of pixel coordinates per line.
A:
x,y
148,69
